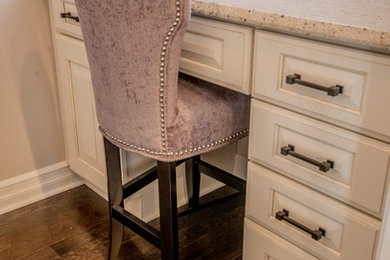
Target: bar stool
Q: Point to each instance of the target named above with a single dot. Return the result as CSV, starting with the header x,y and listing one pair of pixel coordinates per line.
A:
x,y
145,106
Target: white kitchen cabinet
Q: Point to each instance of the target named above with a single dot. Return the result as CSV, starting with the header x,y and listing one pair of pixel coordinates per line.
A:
x,y
83,142
316,109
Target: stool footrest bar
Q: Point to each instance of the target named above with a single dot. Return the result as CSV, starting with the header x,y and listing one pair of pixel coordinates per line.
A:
x,y
208,204
137,225
139,182
222,176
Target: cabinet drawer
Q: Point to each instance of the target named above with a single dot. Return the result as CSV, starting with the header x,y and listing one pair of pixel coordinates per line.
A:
x,y
348,234
360,164
65,25
259,243
218,52
363,103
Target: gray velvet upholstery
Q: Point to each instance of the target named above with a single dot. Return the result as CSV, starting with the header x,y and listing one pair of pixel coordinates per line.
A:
x,y
142,103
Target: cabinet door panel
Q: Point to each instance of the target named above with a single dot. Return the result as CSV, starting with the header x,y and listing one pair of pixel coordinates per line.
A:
x,y
84,143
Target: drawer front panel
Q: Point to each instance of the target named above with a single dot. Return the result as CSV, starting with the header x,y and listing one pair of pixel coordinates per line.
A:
x,y
360,164
259,243
364,79
348,234
218,52
65,25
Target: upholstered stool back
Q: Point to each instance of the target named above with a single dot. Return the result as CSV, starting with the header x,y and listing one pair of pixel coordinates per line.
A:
x,y
133,47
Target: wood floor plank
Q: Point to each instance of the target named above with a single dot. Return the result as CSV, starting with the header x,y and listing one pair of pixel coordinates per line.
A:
x,y
75,225
42,254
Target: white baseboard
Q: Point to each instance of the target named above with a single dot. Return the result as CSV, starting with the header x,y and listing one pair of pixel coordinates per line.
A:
x,y
36,185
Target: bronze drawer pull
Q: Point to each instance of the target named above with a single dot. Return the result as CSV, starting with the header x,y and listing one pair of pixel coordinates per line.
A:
x,y
69,16
331,91
324,166
315,234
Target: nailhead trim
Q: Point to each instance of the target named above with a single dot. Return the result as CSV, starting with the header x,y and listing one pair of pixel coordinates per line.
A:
x,y
162,73
186,151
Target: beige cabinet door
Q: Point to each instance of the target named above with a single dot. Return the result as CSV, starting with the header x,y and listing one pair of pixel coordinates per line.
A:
x,y
83,142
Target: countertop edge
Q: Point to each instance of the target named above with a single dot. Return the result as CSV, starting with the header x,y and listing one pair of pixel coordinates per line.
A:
x,y
361,38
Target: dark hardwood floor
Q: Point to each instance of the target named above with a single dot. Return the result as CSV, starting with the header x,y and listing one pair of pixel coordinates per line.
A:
x,y
75,225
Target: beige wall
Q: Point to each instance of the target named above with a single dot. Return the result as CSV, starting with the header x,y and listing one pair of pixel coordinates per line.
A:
x,y
30,129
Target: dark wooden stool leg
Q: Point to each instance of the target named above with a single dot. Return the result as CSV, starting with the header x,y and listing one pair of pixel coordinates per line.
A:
x,y
168,210
193,181
115,196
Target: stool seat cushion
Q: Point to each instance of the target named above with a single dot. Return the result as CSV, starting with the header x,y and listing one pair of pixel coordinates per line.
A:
x,y
208,117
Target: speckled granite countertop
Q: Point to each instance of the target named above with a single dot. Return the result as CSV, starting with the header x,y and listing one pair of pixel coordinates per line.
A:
x,y
364,24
